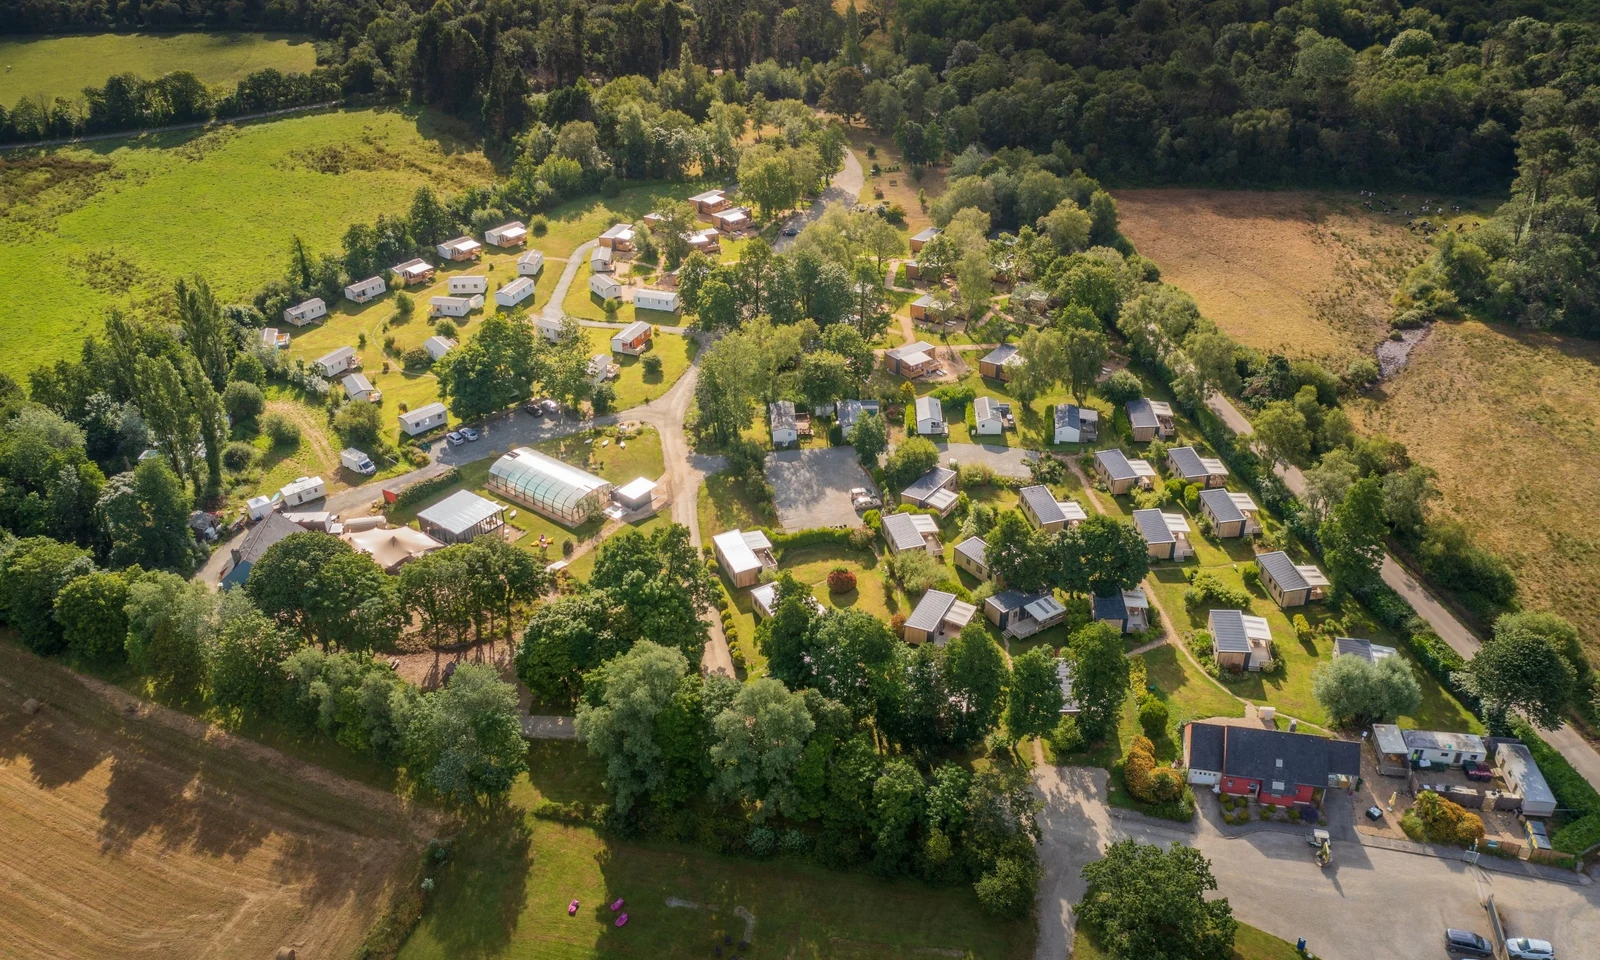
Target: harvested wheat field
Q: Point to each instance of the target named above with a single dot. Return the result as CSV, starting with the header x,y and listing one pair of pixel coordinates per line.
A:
x,y
1299,272
1508,419
127,830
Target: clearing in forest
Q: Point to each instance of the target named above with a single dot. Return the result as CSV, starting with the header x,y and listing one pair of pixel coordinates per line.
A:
x,y
113,224
63,66
131,831
1507,418
1299,272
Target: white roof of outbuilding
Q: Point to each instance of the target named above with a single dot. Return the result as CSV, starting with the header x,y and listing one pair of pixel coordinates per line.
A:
x,y
737,551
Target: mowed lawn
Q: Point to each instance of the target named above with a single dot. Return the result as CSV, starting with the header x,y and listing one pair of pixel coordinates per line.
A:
x,y
506,895
63,66
113,224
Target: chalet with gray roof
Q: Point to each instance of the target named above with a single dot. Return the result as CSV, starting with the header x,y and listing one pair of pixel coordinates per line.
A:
x,y
1151,419
1000,363
1121,473
1167,534
933,491
1230,513
1271,766
1291,584
1239,641
911,531
937,617
1127,610
1047,513
1187,463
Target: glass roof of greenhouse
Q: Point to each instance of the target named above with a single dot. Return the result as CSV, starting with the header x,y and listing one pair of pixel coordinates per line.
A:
x,y
544,480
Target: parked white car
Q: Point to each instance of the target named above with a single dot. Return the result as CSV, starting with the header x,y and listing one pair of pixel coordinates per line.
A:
x,y
1527,948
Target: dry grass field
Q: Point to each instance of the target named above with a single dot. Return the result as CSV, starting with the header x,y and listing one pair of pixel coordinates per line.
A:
x,y
1307,274
128,830
1509,420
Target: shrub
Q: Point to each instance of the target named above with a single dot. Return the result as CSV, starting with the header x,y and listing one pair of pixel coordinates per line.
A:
x,y
238,455
1302,627
404,305
1153,716
841,580
1146,781
651,364
243,401
1121,387
762,841
1206,589
416,359
282,431
897,623
1009,888
445,328
566,547
538,226
1445,821
861,537
1250,574
604,399
1065,737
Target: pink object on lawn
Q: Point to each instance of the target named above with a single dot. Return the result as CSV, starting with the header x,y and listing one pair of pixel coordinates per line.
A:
x,y
622,919
617,906
572,908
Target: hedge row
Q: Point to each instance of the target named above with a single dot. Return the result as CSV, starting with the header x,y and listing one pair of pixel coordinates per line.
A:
x,y
423,489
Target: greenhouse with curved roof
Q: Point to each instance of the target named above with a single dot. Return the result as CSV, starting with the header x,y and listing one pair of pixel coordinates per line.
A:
x,y
542,483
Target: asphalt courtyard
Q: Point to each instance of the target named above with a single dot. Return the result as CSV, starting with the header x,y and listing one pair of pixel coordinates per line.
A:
x,y
811,488
1371,904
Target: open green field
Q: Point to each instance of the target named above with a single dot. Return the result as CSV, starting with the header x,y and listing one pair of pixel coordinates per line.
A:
x,y
63,66
113,224
506,895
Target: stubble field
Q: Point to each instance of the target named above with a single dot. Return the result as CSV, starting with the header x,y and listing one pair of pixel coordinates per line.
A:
x,y
137,834
1304,273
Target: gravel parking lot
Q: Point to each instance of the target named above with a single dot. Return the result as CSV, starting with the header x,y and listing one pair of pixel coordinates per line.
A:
x,y
811,488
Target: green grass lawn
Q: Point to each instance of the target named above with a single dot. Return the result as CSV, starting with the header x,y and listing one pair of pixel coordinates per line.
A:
x,y
581,302
63,66
633,385
114,223
1249,943
724,505
506,894
585,218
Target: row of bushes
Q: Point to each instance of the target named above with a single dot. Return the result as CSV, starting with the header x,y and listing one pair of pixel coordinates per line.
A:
x,y
425,489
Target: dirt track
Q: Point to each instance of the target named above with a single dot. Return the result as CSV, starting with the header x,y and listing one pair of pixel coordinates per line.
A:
x,y
132,834
1295,271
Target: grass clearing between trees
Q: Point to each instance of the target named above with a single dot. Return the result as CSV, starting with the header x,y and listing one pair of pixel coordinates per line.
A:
x,y
112,224
139,830
506,895
1516,484
63,66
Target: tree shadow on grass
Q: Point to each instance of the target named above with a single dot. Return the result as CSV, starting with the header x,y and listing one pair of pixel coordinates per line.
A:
x,y
482,891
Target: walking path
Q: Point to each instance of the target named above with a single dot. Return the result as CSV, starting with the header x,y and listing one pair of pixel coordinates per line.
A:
x,y
1564,740
558,296
845,188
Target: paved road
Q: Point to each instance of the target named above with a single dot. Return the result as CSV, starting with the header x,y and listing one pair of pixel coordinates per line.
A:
x,y
558,296
1373,904
845,188
1566,740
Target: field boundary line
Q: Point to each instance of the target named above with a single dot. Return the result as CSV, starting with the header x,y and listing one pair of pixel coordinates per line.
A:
x,y
169,128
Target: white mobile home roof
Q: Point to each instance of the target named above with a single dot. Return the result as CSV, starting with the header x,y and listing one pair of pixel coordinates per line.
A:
x,y
438,346
334,357
736,550
637,328
515,292
929,408
421,414
300,485
356,383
